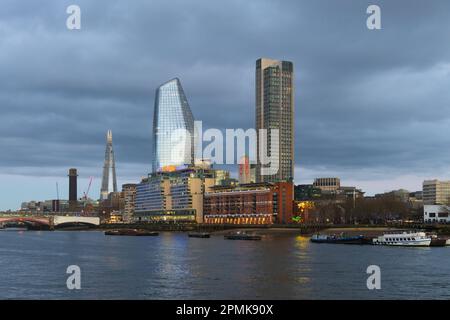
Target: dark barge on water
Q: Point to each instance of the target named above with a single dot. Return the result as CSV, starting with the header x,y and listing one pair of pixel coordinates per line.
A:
x,y
131,232
241,235
340,239
199,235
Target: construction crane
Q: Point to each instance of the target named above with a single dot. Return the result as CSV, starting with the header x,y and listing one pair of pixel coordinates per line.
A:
x,y
85,194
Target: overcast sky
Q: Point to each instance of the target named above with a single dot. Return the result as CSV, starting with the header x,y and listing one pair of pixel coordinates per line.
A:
x,y
372,106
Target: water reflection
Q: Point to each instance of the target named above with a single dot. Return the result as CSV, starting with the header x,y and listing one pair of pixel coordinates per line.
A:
x,y
174,266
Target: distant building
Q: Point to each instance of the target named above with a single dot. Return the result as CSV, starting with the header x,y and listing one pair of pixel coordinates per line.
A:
x,y
275,110
330,188
327,184
221,176
45,207
173,195
116,217
400,194
114,202
436,192
129,195
253,173
244,170
436,214
109,180
305,192
172,121
256,203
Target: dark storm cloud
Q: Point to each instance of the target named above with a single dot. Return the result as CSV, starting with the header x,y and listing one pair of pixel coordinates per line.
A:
x,y
365,100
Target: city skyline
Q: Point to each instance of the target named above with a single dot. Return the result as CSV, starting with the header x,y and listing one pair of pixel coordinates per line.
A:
x,y
357,117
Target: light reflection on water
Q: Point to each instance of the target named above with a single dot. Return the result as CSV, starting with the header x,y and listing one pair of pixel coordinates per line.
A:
x,y
173,266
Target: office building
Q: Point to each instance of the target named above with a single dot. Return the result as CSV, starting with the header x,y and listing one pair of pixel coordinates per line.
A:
x,y
175,196
129,196
173,128
436,192
327,184
275,110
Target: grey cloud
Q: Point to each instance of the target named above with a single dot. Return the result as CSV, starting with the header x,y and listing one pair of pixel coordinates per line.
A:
x,y
365,100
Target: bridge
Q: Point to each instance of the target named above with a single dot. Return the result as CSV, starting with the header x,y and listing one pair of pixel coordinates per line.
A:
x,y
52,221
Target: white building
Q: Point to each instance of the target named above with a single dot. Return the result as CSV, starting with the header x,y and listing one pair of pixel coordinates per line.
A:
x,y
436,214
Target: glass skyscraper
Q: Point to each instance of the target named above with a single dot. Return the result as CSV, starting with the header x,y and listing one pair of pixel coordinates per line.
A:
x,y
275,110
173,127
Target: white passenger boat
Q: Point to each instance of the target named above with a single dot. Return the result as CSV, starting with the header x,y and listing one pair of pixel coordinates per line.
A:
x,y
407,239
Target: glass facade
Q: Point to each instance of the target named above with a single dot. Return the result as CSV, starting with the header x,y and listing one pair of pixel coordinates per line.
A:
x,y
275,110
173,127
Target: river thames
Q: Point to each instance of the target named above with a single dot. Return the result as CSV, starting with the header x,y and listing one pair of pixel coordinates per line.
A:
x,y
173,266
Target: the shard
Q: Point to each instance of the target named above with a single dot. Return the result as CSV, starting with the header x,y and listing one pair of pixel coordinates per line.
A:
x,y
109,182
173,128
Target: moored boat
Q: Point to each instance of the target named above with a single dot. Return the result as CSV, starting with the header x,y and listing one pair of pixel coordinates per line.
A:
x,y
199,235
130,232
241,235
339,239
406,239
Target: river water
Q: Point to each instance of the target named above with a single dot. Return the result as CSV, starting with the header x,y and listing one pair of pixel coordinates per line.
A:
x,y
33,265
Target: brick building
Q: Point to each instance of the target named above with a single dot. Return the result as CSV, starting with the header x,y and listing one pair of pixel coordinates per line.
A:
x,y
255,203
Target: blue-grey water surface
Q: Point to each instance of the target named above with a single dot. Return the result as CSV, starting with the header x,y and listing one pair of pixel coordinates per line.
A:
x,y
172,266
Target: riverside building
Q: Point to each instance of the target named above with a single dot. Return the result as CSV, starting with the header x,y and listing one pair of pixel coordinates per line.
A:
x,y
173,195
255,203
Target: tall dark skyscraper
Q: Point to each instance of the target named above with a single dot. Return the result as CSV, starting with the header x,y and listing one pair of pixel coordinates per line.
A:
x,y
73,201
173,127
275,110
109,182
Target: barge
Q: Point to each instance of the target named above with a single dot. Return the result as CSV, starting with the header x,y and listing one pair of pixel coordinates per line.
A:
x,y
241,235
199,235
339,239
131,232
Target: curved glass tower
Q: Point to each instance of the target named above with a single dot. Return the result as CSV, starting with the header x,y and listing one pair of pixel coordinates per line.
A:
x,y
173,127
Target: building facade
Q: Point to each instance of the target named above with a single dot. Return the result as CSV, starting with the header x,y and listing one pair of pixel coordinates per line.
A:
x,y
327,184
173,195
306,192
435,192
173,127
256,203
221,176
109,180
245,174
436,214
129,197
275,110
